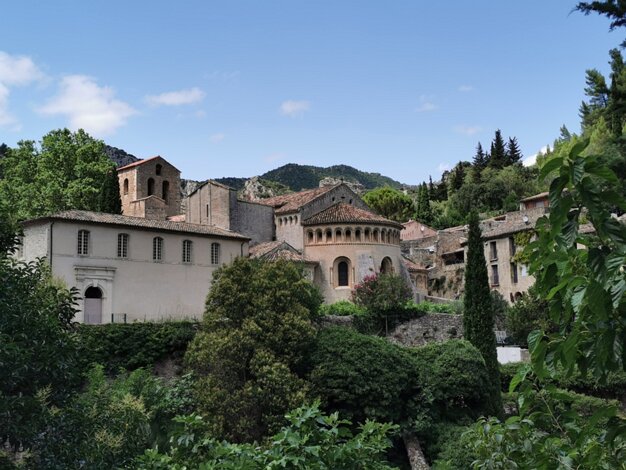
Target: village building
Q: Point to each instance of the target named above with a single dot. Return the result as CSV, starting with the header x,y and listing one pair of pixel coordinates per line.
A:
x,y
155,262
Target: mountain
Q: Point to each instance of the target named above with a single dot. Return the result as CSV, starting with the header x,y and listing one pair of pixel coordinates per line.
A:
x,y
119,156
299,177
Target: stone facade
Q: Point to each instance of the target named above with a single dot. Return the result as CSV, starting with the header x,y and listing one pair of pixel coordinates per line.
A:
x,y
151,178
414,230
431,327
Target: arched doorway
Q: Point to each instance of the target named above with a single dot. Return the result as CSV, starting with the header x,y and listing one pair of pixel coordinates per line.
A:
x,y
386,267
93,305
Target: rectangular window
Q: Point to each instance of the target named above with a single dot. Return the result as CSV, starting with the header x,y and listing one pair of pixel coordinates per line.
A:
x,y
493,251
514,273
512,247
186,251
122,245
215,253
157,249
83,242
495,278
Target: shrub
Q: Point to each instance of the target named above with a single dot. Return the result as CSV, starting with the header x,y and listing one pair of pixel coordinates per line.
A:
x,y
527,314
133,345
383,293
363,376
452,308
341,308
448,448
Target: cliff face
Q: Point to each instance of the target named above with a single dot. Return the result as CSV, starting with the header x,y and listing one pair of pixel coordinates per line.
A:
x,y
119,156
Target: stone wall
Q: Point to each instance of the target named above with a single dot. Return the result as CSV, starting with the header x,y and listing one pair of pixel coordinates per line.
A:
x,y
253,220
427,329
341,193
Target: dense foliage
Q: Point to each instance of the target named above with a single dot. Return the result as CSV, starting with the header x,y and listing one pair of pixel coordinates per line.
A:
x,y
68,170
390,203
527,314
311,441
381,293
256,335
133,345
341,308
38,354
478,321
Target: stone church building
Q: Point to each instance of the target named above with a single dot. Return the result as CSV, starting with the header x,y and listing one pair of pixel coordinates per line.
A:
x,y
154,262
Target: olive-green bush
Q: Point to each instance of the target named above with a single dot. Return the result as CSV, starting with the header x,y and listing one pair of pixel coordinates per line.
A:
x,y
341,308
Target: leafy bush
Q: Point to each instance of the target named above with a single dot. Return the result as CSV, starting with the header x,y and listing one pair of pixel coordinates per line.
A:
x,y
383,293
527,314
105,427
133,345
341,308
448,448
38,354
453,308
363,377
312,440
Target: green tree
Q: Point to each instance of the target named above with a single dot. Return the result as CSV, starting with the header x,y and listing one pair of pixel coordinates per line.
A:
x,y
513,152
257,332
37,348
424,212
615,10
478,321
497,155
109,199
390,203
67,171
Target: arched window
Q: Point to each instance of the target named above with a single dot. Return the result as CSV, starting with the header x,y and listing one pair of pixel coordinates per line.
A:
x,y
342,270
329,235
357,235
386,267
166,190
295,219
215,253
348,235
122,245
187,251
375,235
383,235
93,292
157,249
290,220
83,242
338,235
150,186
367,234
159,167
310,236
125,186
319,236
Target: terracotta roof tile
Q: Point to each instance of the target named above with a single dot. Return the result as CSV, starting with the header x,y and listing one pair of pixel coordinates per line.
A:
x,y
137,163
294,201
138,222
343,213
278,250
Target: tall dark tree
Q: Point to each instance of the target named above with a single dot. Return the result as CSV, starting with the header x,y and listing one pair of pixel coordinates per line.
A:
x,y
616,108
480,159
4,150
424,212
478,320
498,152
513,152
109,198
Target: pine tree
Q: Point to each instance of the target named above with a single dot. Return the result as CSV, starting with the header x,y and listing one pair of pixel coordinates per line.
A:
x,y
478,321
480,160
109,200
513,152
498,152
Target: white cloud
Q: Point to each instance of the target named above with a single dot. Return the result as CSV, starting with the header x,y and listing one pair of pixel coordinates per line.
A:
x,y
88,106
465,88
18,70
14,71
443,167
530,161
468,130
215,138
293,108
426,104
176,98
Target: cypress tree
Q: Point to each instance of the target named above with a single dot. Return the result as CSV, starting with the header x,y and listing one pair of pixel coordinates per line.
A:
x,y
424,213
109,199
498,151
478,321
514,154
480,159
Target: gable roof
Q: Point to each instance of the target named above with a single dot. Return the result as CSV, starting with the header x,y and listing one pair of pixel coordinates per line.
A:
x,y
137,222
344,213
294,201
213,182
145,160
273,251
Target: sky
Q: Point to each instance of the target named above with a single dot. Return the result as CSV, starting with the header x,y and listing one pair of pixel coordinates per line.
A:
x,y
237,88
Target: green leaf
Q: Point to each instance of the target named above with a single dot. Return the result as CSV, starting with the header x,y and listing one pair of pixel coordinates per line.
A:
x,y
549,166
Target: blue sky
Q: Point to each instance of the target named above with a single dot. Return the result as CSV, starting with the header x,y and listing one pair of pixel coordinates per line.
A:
x,y
236,88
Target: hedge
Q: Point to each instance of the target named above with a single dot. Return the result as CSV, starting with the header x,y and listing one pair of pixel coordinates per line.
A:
x,y
133,345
